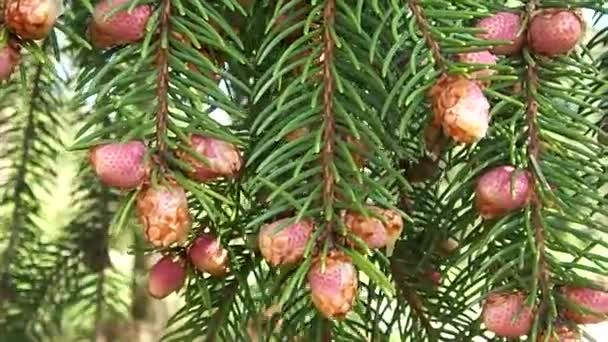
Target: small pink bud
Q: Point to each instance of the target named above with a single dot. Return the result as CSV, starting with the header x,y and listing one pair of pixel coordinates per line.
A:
x,y
123,27
501,190
207,255
433,276
224,159
31,19
163,213
503,26
333,285
372,230
10,56
480,57
120,165
507,315
283,245
555,31
166,276
589,300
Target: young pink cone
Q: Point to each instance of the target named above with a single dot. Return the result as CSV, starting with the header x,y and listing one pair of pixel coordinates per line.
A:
x,y
501,190
31,19
124,27
166,276
506,314
461,108
561,333
479,57
120,165
589,300
284,245
207,255
372,230
555,31
224,159
10,56
163,213
503,26
334,286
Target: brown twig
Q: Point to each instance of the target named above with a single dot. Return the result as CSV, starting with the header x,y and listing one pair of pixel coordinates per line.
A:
x,y
425,29
162,86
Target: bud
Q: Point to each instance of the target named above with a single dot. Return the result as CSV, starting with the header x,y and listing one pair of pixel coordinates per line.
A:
x,y
432,276
31,19
375,232
461,108
10,56
207,255
480,57
333,286
283,245
448,246
166,276
501,190
506,314
224,159
163,213
297,134
594,304
120,165
123,27
561,333
555,31
503,26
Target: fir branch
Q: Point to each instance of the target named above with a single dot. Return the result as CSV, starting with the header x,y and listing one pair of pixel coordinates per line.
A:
x,y
425,29
163,83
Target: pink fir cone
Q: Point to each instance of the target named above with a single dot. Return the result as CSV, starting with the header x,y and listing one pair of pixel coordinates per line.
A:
x,y
334,286
372,230
503,26
123,27
507,315
207,255
120,165
31,19
555,31
163,213
168,275
461,108
284,245
502,190
224,159
10,56
593,302
479,57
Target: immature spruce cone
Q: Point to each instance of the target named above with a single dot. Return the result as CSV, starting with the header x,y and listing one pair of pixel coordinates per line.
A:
x,y
120,165
163,213
555,31
479,57
224,159
506,314
334,288
592,300
31,19
374,232
283,245
166,276
208,255
501,190
503,26
461,108
123,27
561,333
10,56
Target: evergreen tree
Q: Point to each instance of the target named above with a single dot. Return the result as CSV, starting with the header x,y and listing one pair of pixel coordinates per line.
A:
x,y
304,170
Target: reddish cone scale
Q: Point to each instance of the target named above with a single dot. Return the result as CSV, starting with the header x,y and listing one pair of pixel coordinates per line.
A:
x,y
480,57
561,333
501,190
31,19
120,165
224,159
123,27
461,108
166,276
333,287
10,56
503,26
283,244
589,300
163,213
555,31
207,255
506,314
373,231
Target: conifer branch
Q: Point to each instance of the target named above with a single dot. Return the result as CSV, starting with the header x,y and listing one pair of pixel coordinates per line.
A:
x,y
327,155
162,87
425,29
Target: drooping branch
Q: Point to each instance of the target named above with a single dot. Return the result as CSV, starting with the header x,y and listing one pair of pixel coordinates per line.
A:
x,y
425,30
162,86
